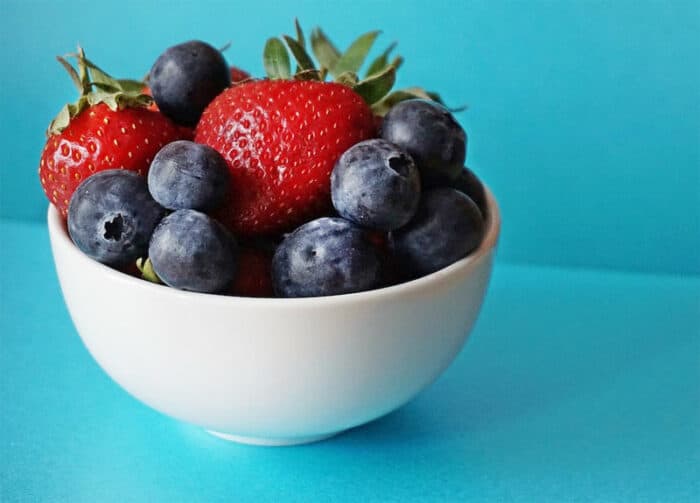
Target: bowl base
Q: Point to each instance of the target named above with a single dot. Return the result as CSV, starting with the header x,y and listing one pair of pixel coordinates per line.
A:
x,y
271,442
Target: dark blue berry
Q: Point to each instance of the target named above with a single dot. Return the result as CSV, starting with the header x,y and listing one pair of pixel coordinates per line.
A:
x,y
188,175
111,216
327,256
447,227
468,183
429,133
376,185
185,78
192,251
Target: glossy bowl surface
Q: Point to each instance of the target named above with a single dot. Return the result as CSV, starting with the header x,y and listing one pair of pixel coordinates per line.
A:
x,y
273,371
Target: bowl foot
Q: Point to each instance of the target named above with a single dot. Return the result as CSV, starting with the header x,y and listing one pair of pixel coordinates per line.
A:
x,y
271,442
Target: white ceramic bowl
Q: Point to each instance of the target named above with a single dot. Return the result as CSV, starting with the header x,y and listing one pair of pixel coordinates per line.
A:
x,y
273,371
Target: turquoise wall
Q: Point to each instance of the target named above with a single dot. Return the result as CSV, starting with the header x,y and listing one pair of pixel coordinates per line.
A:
x,y
584,116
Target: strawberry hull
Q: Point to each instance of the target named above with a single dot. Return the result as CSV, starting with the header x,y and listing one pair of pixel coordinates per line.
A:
x,y
281,140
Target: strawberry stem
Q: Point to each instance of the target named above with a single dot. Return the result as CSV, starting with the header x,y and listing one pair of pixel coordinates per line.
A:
x,y
379,78
96,86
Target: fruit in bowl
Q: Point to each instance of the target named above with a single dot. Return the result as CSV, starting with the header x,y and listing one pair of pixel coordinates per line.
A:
x,y
307,271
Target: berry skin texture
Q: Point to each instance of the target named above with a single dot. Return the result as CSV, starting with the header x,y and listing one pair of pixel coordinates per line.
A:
x,y
100,139
237,76
468,183
327,256
281,140
187,175
429,133
447,227
191,251
376,185
185,78
111,217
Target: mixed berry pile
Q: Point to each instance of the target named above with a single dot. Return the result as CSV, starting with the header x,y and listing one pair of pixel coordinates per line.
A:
x,y
208,180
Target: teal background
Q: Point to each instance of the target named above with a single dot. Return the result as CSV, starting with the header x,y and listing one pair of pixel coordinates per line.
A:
x,y
581,380
584,115
576,386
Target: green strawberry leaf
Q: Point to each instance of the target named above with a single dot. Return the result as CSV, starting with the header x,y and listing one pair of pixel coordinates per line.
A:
x,y
105,87
352,59
398,61
300,34
380,61
82,68
311,74
302,59
61,121
276,60
96,86
410,93
147,272
382,107
73,74
130,85
103,79
97,75
107,96
347,78
70,110
418,92
324,50
374,88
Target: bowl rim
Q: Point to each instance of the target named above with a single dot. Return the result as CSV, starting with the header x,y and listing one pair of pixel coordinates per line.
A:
x,y
59,237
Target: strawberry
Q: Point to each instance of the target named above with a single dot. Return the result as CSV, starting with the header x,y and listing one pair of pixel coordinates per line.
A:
x,y
109,127
147,91
253,278
238,75
281,139
282,136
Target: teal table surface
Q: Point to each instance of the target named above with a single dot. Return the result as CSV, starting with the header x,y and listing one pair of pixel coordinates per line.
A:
x,y
576,385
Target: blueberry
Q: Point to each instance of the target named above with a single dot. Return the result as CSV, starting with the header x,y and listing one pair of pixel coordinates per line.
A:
x,y
429,133
111,216
187,175
185,78
468,183
192,251
447,227
327,256
376,185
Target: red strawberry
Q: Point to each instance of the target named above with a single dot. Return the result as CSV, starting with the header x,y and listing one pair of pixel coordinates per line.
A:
x,y
117,131
254,274
238,75
281,139
147,91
